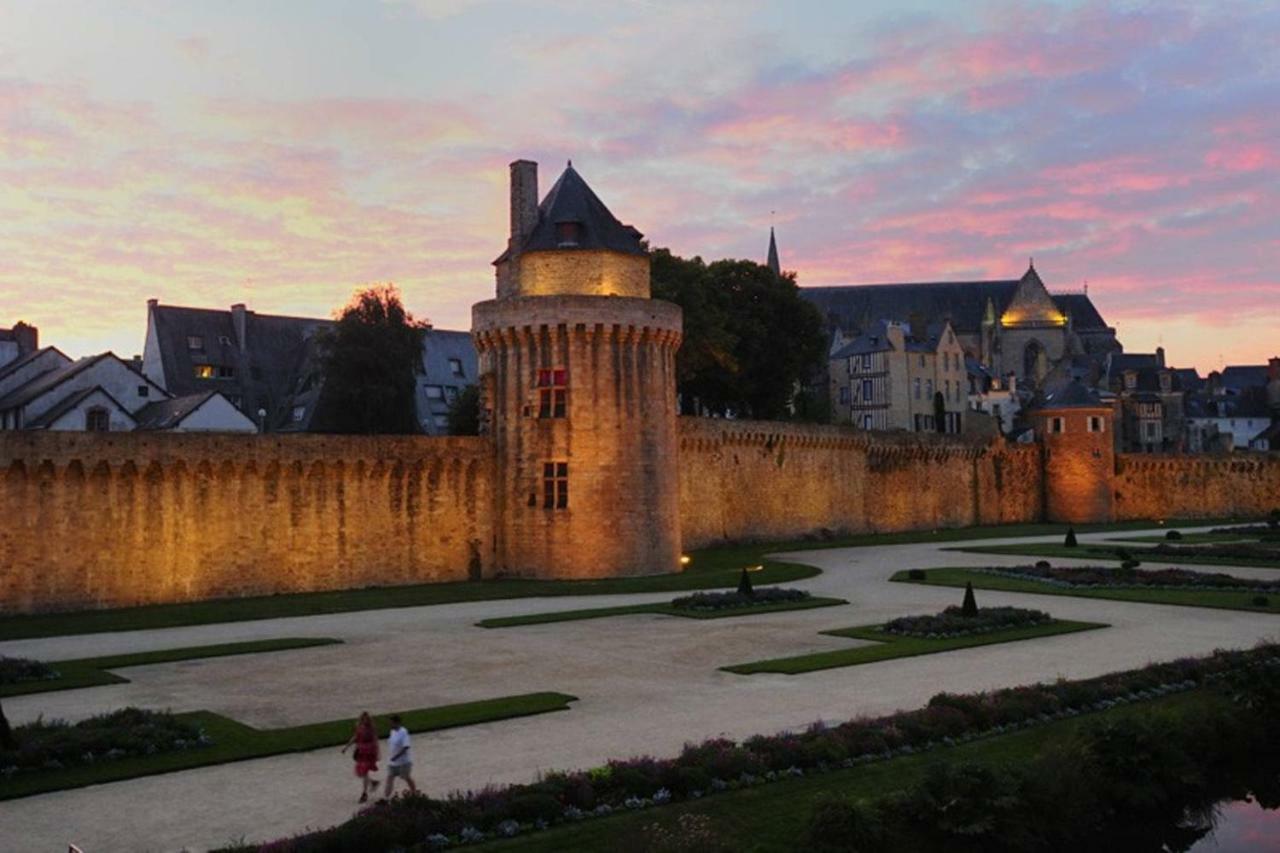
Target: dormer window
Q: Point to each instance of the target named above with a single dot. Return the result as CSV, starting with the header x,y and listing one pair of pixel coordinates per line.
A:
x,y
195,342
568,233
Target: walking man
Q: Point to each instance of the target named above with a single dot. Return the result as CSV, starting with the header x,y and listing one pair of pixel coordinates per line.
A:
x,y
400,762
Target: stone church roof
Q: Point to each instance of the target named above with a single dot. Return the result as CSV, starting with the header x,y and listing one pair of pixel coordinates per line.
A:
x,y
964,303
570,200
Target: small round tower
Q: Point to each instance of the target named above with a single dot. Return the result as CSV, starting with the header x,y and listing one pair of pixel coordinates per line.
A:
x,y
577,372
1075,428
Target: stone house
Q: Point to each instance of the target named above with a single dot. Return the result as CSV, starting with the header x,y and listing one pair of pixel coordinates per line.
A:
x,y
268,365
890,379
996,396
1152,398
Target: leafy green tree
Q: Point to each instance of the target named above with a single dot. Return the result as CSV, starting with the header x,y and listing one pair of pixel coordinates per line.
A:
x,y
464,412
371,357
750,339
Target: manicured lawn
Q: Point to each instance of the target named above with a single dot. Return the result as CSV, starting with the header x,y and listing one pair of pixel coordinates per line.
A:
x,y
661,609
235,741
91,672
889,646
1188,598
1108,552
1188,538
773,818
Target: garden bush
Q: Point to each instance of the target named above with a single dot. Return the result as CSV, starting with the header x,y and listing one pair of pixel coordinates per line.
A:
x,y
17,670
969,607
1173,534
1070,541
730,600
720,764
1097,576
916,574
1261,601
1264,551
107,737
953,622
744,584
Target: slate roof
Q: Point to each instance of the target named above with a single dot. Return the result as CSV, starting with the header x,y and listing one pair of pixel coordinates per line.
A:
x,y
1250,405
42,383
23,360
70,402
266,371
167,414
1238,377
962,302
571,200
1069,395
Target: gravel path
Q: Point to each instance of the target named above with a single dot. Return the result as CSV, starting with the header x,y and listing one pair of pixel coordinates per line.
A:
x,y
646,683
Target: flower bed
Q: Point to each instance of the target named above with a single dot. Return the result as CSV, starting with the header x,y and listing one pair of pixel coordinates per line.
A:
x,y
703,769
1094,577
953,623
19,670
734,600
107,737
1265,551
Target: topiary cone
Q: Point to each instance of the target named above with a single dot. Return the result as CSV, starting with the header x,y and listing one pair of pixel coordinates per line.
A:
x,y
744,584
970,606
1070,541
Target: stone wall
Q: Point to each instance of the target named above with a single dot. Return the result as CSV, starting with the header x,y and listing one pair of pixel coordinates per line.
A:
x,y
1172,486
744,480
119,519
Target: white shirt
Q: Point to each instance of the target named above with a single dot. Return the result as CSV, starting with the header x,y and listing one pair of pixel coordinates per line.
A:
x,y
399,740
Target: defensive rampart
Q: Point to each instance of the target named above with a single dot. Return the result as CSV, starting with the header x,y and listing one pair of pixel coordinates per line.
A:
x,y
1159,486
751,480
92,520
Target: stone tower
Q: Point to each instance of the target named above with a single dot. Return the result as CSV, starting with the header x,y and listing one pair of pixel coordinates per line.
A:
x,y
1076,430
577,371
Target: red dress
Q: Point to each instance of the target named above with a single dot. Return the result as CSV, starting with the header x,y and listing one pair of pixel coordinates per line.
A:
x,y
366,754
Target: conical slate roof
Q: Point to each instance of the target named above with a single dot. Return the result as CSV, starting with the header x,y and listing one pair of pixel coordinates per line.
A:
x,y
773,254
570,200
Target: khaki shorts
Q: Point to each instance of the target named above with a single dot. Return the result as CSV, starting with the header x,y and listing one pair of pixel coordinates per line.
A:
x,y
401,770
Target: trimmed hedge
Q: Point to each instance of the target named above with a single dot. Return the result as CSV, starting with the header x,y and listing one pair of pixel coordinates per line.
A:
x,y
735,600
419,823
1086,577
22,670
120,734
953,623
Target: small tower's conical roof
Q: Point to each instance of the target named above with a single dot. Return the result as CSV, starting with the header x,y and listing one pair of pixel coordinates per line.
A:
x,y
570,200
773,263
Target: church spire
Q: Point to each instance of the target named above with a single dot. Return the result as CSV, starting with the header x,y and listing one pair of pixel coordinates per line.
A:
x,y
773,254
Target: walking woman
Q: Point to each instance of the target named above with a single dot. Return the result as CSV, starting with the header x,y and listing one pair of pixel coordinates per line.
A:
x,y
365,738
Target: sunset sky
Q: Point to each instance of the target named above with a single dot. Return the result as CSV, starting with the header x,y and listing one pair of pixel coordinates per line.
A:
x,y
283,153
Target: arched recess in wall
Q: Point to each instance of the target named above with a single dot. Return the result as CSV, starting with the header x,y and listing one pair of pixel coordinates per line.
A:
x,y
1034,361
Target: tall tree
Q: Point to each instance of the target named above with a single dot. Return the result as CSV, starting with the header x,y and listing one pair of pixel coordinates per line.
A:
x,y
7,740
371,357
464,412
750,339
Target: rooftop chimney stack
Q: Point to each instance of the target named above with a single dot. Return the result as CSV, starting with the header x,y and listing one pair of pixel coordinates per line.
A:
x,y
524,201
27,337
239,322
1160,357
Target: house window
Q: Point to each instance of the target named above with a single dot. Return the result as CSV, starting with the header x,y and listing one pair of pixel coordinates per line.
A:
x,y
1057,425
1095,423
144,390
866,421
224,340
947,395
435,392
450,393
928,388
553,392
455,366
97,420
917,389
205,371
922,359
946,361
299,412
440,420
844,394
1131,381
866,391
225,372
555,485
195,342
866,361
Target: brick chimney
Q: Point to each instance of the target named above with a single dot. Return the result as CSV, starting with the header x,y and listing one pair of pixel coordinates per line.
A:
x,y
27,337
240,324
1160,357
524,201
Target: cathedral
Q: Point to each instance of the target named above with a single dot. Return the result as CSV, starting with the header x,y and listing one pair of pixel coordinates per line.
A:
x,y
1011,326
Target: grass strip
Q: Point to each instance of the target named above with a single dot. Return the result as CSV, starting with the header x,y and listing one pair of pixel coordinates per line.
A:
x,y
234,741
1188,538
774,818
889,646
92,672
1220,599
1108,552
661,609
